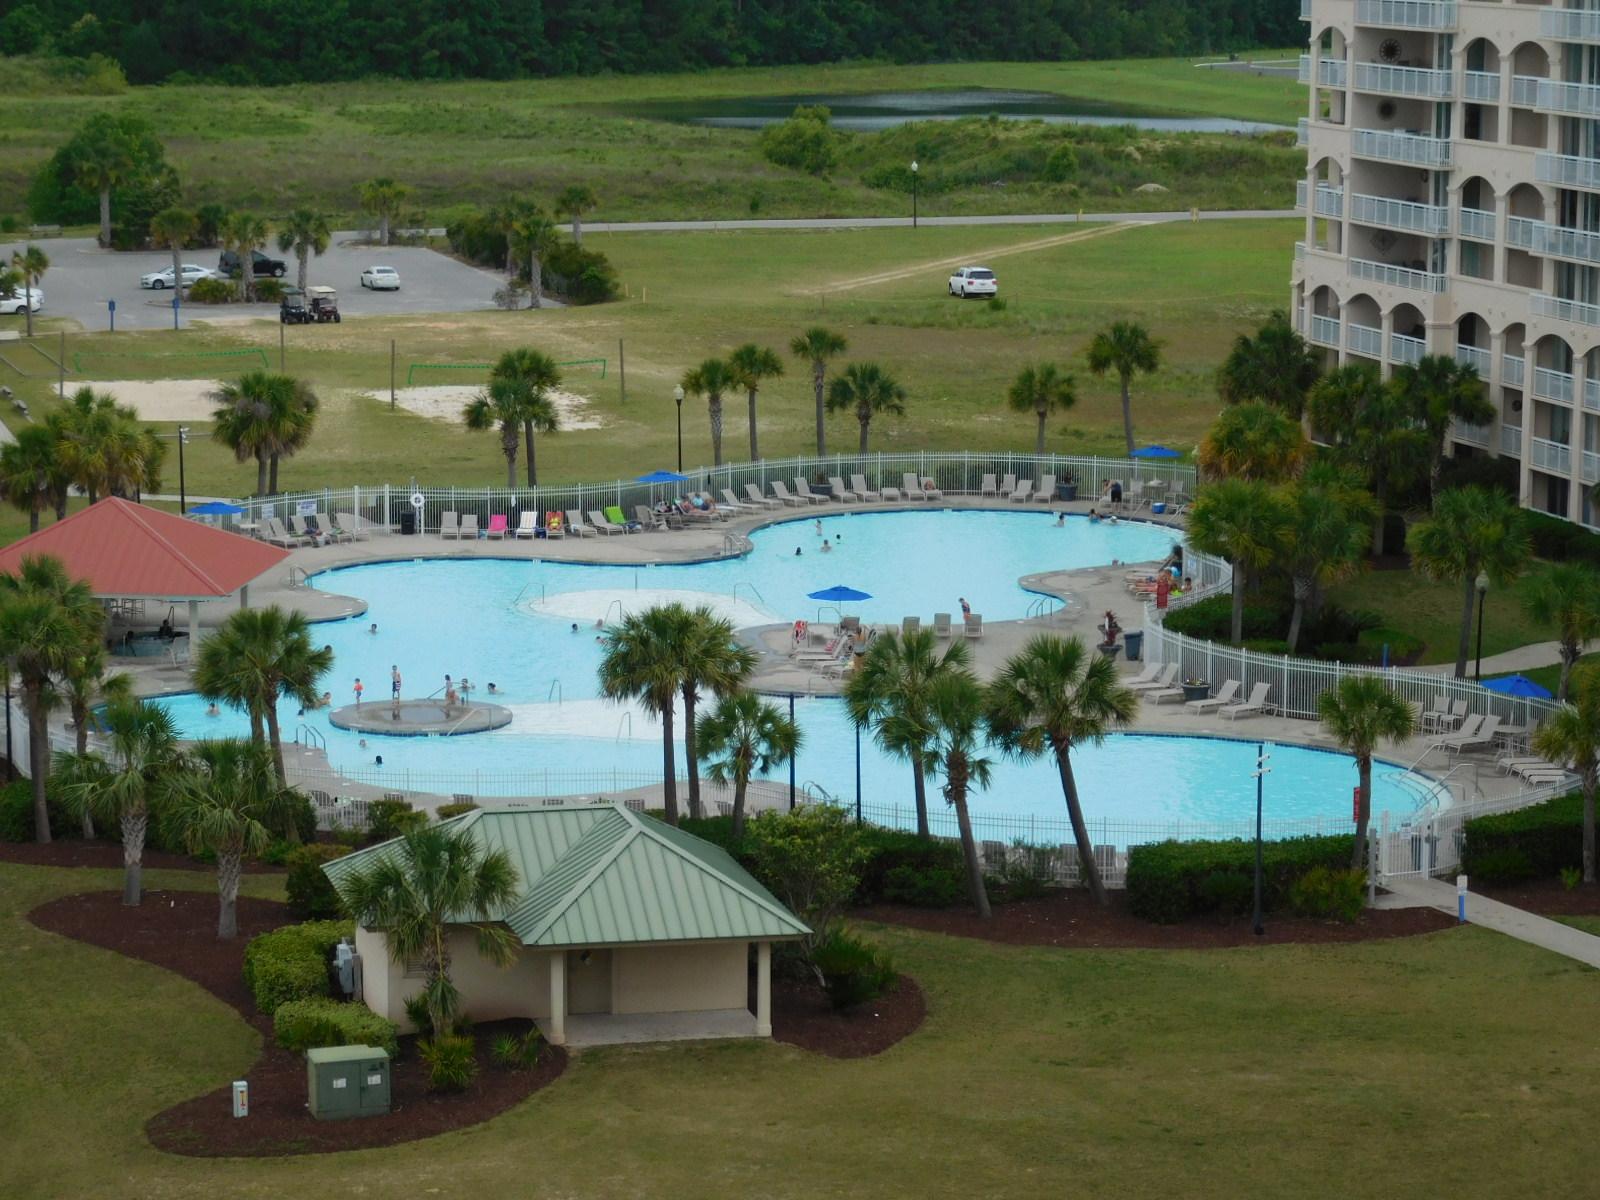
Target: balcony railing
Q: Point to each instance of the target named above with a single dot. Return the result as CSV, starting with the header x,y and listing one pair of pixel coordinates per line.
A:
x,y
1591,394
1581,99
1473,356
1302,131
1569,169
1512,370
1401,81
1557,241
1406,14
1521,232
1552,385
1331,72
1480,85
1477,223
1525,90
1576,311
1325,330
1511,440
1550,456
1365,340
1473,435
1305,10
1430,219
1330,200
1406,349
1569,25
1413,148
1395,276
1591,467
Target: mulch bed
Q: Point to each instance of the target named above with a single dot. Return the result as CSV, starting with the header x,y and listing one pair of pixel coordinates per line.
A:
x,y
75,852
802,1016
177,930
1548,897
1071,918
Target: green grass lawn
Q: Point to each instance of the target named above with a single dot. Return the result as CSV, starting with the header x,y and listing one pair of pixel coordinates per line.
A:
x,y
1459,1063
1432,612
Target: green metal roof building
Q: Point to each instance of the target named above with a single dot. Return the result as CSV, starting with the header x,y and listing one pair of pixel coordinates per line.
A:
x,y
632,930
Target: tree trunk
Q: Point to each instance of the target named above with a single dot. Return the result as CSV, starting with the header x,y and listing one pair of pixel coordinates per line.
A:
x,y
669,769
247,272
1464,647
1379,488
261,473
1363,811
383,231
277,745
301,252
1088,870
1569,658
134,826
508,447
919,790
691,757
535,281
27,307
1588,824
1302,589
715,405
1238,607
38,759
577,229
177,266
272,481
741,781
818,373
80,739
257,734
33,520
969,852
533,470
511,262
229,865
1127,414
105,218
866,425
1038,438
755,455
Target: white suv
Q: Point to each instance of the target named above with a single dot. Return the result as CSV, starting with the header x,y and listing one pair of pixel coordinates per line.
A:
x,y
974,281
22,298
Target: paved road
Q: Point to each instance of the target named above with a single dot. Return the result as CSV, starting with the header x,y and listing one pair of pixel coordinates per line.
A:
x,y
1246,214
82,277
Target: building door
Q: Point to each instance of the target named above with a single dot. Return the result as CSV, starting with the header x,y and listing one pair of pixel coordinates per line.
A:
x,y
588,981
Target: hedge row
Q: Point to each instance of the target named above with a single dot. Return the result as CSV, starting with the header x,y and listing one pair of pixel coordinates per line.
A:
x,y
1172,881
310,892
1531,843
291,963
318,1021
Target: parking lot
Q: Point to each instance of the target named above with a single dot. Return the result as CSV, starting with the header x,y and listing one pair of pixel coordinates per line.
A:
x,y
82,278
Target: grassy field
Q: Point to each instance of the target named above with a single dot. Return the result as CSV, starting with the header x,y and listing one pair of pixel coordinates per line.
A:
x,y
1457,1064
272,149
1432,612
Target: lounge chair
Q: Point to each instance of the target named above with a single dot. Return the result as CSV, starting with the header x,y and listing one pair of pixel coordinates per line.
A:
x,y
616,516
527,524
1482,738
930,490
273,532
1162,695
1469,726
988,487
555,525
803,490
688,510
327,529
732,502
910,625
781,491
891,495
703,503
858,485
974,623
1008,484
1452,719
353,525
756,498
449,525
1151,670
941,625
1224,697
648,519
1441,708
303,531
1022,492
469,526
497,528
841,493
575,524
1046,491
1253,707
597,520
1163,679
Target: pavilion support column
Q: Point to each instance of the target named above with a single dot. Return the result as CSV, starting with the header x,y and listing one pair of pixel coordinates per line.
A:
x,y
244,596
194,625
763,989
556,1035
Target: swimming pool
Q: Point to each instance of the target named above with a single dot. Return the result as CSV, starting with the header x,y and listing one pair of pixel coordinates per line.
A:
x,y
528,627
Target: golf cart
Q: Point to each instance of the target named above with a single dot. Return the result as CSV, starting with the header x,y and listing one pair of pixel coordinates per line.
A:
x,y
292,308
324,304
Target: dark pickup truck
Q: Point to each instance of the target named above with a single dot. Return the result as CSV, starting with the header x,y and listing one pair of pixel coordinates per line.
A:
x,y
228,265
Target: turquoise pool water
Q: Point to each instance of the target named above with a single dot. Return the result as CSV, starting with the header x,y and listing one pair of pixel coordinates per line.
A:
x,y
511,622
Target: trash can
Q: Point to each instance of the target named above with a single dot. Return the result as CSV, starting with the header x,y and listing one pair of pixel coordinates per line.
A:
x,y
1066,490
408,521
1132,644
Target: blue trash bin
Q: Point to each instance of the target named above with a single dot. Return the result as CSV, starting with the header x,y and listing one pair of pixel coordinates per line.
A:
x,y
1133,644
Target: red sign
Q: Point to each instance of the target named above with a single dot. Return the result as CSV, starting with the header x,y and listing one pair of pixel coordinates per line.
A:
x,y
1355,802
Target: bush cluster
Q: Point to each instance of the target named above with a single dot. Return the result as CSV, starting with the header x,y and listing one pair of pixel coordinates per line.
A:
x,y
292,963
577,273
391,818
1530,843
16,812
1172,881
445,811
452,1062
902,868
852,971
518,1052
1332,895
310,892
319,1021
213,291
1561,541
1335,634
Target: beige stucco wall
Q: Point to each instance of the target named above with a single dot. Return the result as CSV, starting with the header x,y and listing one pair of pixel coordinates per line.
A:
x,y
680,978
488,992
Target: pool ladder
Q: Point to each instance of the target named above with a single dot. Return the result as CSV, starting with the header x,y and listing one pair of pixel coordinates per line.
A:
x,y
555,690
526,588
306,736
745,583
1043,608
625,723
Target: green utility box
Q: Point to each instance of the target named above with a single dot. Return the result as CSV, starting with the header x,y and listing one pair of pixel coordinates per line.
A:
x,y
347,1081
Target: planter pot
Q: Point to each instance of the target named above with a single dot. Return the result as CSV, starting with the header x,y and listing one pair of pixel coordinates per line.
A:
x,y
1066,491
1196,691
1106,651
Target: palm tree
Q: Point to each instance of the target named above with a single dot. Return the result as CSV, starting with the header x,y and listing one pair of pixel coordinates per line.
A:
x,y
382,197
889,691
1125,348
533,234
1439,390
499,406
534,375
31,263
245,233
1041,390
30,472
126,785
745,736
104,157
264,415
751,365
256,657
817,346
1330,519
1571,735
1253,441
643,661
1372,427
435,880
1471,531
306,233
1276,366
83,684
1360,713
226,801
1246,522
174,228
102,448
953,737
1566,595
1049,697
47,619
867,390
710,379
504,217
573,203
711,661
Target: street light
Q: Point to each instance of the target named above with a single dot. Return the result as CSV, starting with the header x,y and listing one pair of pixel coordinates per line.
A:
x,y
913,193
677,395
1482,584
1261,772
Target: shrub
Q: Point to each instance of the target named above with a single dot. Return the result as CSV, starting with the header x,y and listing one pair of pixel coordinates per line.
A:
x,y
1025,872
1531,843
1332,895
1507,864
268,289
452,1062
1171,881
811,858
1227,893
852,971
213,291
518,1053
1403,647
318,1021
16,812
1212,619
291,963
310,892
924,887
908,859
1571,877
1561,540
1267,645
579,273
804,142
445,811
390,818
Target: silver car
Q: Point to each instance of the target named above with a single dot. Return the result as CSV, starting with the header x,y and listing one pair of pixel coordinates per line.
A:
x,y
31,299
381,279
192,272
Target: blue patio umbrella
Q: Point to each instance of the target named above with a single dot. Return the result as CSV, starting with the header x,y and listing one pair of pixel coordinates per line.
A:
x,y
216,508
839,594
1518,685
662,477
1156,452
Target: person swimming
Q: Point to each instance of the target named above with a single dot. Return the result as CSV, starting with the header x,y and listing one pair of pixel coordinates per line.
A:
x,y
797,551
826,547
213,711
373,628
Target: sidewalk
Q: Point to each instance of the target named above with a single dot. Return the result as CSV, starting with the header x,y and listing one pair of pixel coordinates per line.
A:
x,y
1523,658
1502,918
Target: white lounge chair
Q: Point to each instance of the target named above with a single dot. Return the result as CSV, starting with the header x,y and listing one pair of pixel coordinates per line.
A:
x,y
1151,670
575,524
469,527
803,490
1481,739
858,485
299,528
1162,680
756,498
1162,695
649,519
273,532
974,623
1008,484
1224,697
781,491
330,530
891,495
527,524
1441,708
930,490
988,487
734,504
841,493
1469,726
1253,707
1046,491
449,525
909,625
941,625
598,520
1021,493
353,525
911,487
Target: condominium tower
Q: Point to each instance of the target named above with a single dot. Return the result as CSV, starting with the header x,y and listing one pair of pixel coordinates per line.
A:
x,y
1452,206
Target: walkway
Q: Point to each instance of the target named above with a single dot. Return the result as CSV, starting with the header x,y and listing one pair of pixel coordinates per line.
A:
x,y
1244,214
1502,918
1523,658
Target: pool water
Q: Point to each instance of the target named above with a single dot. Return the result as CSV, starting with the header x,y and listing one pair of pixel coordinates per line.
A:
x,y
530,628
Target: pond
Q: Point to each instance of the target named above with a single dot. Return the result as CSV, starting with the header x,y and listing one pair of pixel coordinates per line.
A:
x,y
872,111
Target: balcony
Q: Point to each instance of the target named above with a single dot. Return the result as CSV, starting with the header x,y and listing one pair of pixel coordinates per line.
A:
x,y
1396,276
1567,169
1525,90
1385,213
1521,232
1480,85
1331,72
1569,25
1557,241
1330,200
1302,132
1365,340
1473,356
1411,148
1477,223
1325,331
1402,81
1575,311
1305,10
1591,394
1552,385
1578,99
1550,456
1512,370
1404,349
1591,467
1511,440
1472,435
1406,14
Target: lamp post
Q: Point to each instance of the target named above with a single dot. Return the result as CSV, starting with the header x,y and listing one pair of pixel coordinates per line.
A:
x,y
183,488
914,193
1482,584
791,757
677,395
1260,773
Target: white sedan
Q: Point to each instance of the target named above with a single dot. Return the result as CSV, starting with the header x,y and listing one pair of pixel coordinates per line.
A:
x,y
381,279
23,298
974,281
163,279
